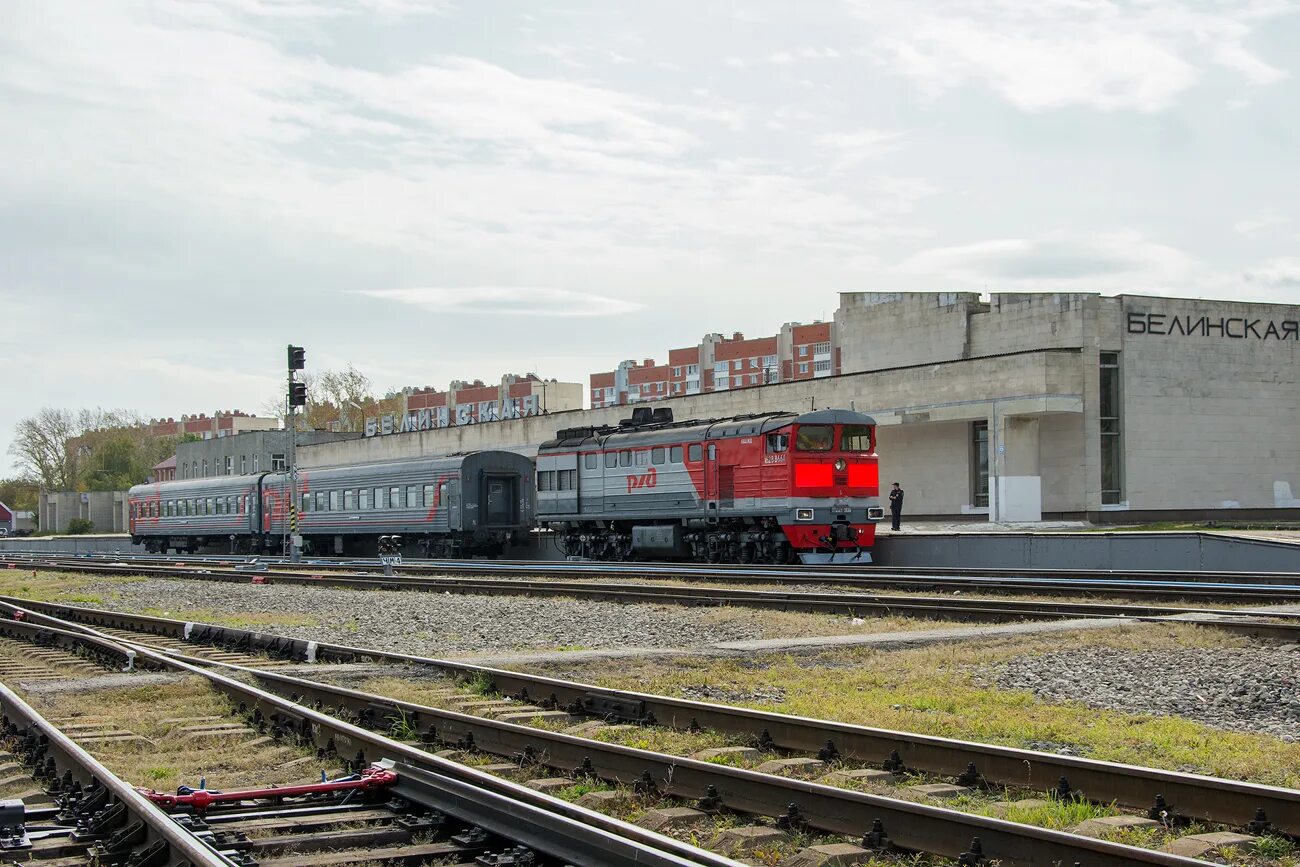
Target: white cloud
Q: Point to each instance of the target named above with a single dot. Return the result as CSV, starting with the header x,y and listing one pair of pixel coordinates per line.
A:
x,y
1087,263
1260,224
1282,273
505,301
1104,54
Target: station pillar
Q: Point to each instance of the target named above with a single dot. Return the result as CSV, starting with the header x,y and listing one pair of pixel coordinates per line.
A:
x,y
1015,475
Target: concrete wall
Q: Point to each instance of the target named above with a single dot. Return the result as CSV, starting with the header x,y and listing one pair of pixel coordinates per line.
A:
x,y
107,510
1175,552
1210,422
928,461
72,544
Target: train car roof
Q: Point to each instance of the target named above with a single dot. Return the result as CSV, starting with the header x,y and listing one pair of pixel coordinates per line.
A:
x,y
697,429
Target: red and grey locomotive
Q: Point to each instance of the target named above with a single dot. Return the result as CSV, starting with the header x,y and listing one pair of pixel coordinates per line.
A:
x,y
767,488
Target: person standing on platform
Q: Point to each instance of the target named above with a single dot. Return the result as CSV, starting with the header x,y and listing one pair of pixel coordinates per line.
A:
x,y
896,506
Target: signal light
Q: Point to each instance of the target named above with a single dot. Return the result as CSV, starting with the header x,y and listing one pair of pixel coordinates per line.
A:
x,y
297,358
298,394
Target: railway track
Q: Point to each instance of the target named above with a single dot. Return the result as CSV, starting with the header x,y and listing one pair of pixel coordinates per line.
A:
x,y
881,753
1204,586
395,804
1282,626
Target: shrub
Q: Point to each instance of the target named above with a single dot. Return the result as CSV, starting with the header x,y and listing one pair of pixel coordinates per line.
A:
x,y
80,526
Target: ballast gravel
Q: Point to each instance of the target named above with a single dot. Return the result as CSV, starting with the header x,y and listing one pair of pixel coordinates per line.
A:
x,y
430,624
1247,689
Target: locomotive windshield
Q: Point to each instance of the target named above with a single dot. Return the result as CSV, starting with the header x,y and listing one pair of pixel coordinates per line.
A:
x,y
815,438
855,438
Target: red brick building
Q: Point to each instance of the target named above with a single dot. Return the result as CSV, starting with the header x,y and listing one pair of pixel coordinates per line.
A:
x,y
720,363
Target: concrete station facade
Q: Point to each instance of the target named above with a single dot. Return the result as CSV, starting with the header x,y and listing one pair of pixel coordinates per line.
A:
x,y
1022,407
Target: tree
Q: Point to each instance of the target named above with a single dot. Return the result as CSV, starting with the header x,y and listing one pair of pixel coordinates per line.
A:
x,y
20,494
41,446
336,400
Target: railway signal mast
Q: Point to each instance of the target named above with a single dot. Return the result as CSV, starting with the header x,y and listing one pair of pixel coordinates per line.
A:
x,y
297,398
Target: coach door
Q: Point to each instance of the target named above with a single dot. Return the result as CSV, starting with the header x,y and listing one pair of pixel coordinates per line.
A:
x,y
500,500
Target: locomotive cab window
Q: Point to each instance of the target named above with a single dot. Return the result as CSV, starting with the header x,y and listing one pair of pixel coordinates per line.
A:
x,y
777,442
589,460
675,454
625,458
815,438
855,438
611,459
696,452
657,455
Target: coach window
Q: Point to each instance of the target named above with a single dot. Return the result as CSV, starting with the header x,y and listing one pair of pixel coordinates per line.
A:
x,y
657,455
696,452
349,500
625,458
334,501
815,438
231,504
395,499
379,499
363,499
412,496
428,496
305,505
589,460
777,443
212,506
611,460
320,501
220,506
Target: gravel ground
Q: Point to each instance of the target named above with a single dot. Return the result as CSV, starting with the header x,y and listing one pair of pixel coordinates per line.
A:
x,y
1249,690
433,624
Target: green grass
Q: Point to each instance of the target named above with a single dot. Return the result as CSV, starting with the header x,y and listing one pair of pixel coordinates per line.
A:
x,y
935,690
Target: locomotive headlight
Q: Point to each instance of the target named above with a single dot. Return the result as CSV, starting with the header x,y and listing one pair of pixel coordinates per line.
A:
x,y
840,465
803,514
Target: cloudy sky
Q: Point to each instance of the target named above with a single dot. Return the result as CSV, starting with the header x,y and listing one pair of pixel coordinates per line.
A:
x,y
435,189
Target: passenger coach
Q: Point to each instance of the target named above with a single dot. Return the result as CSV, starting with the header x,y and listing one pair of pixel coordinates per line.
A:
x,y
457,505
771,488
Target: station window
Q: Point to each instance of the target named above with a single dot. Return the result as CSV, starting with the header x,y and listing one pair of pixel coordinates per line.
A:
x,y
589,460
255,461
1110,412
696,452
243,464
611,459
979,463
277,462
675,454
625,458
657,455
205,468
230,465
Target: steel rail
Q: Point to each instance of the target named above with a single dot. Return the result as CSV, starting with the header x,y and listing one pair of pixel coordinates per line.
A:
x,y
142,831
909,825
569,833
1285,627
1195,796
1208,586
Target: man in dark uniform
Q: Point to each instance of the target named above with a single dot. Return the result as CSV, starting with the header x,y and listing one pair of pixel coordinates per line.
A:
x,y
896,505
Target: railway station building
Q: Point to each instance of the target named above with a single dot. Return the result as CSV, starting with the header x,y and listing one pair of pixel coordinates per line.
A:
x,y
1022,407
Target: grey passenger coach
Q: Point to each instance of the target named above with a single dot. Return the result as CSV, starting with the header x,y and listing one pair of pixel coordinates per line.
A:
x,y
476,503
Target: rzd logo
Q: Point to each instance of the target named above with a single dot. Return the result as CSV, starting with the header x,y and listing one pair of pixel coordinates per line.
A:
x,y
647,480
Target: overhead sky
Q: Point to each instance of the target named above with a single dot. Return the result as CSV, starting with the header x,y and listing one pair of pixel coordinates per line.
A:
x,y
439,189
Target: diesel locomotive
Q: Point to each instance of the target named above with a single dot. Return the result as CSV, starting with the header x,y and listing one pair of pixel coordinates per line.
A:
x,y
765,488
